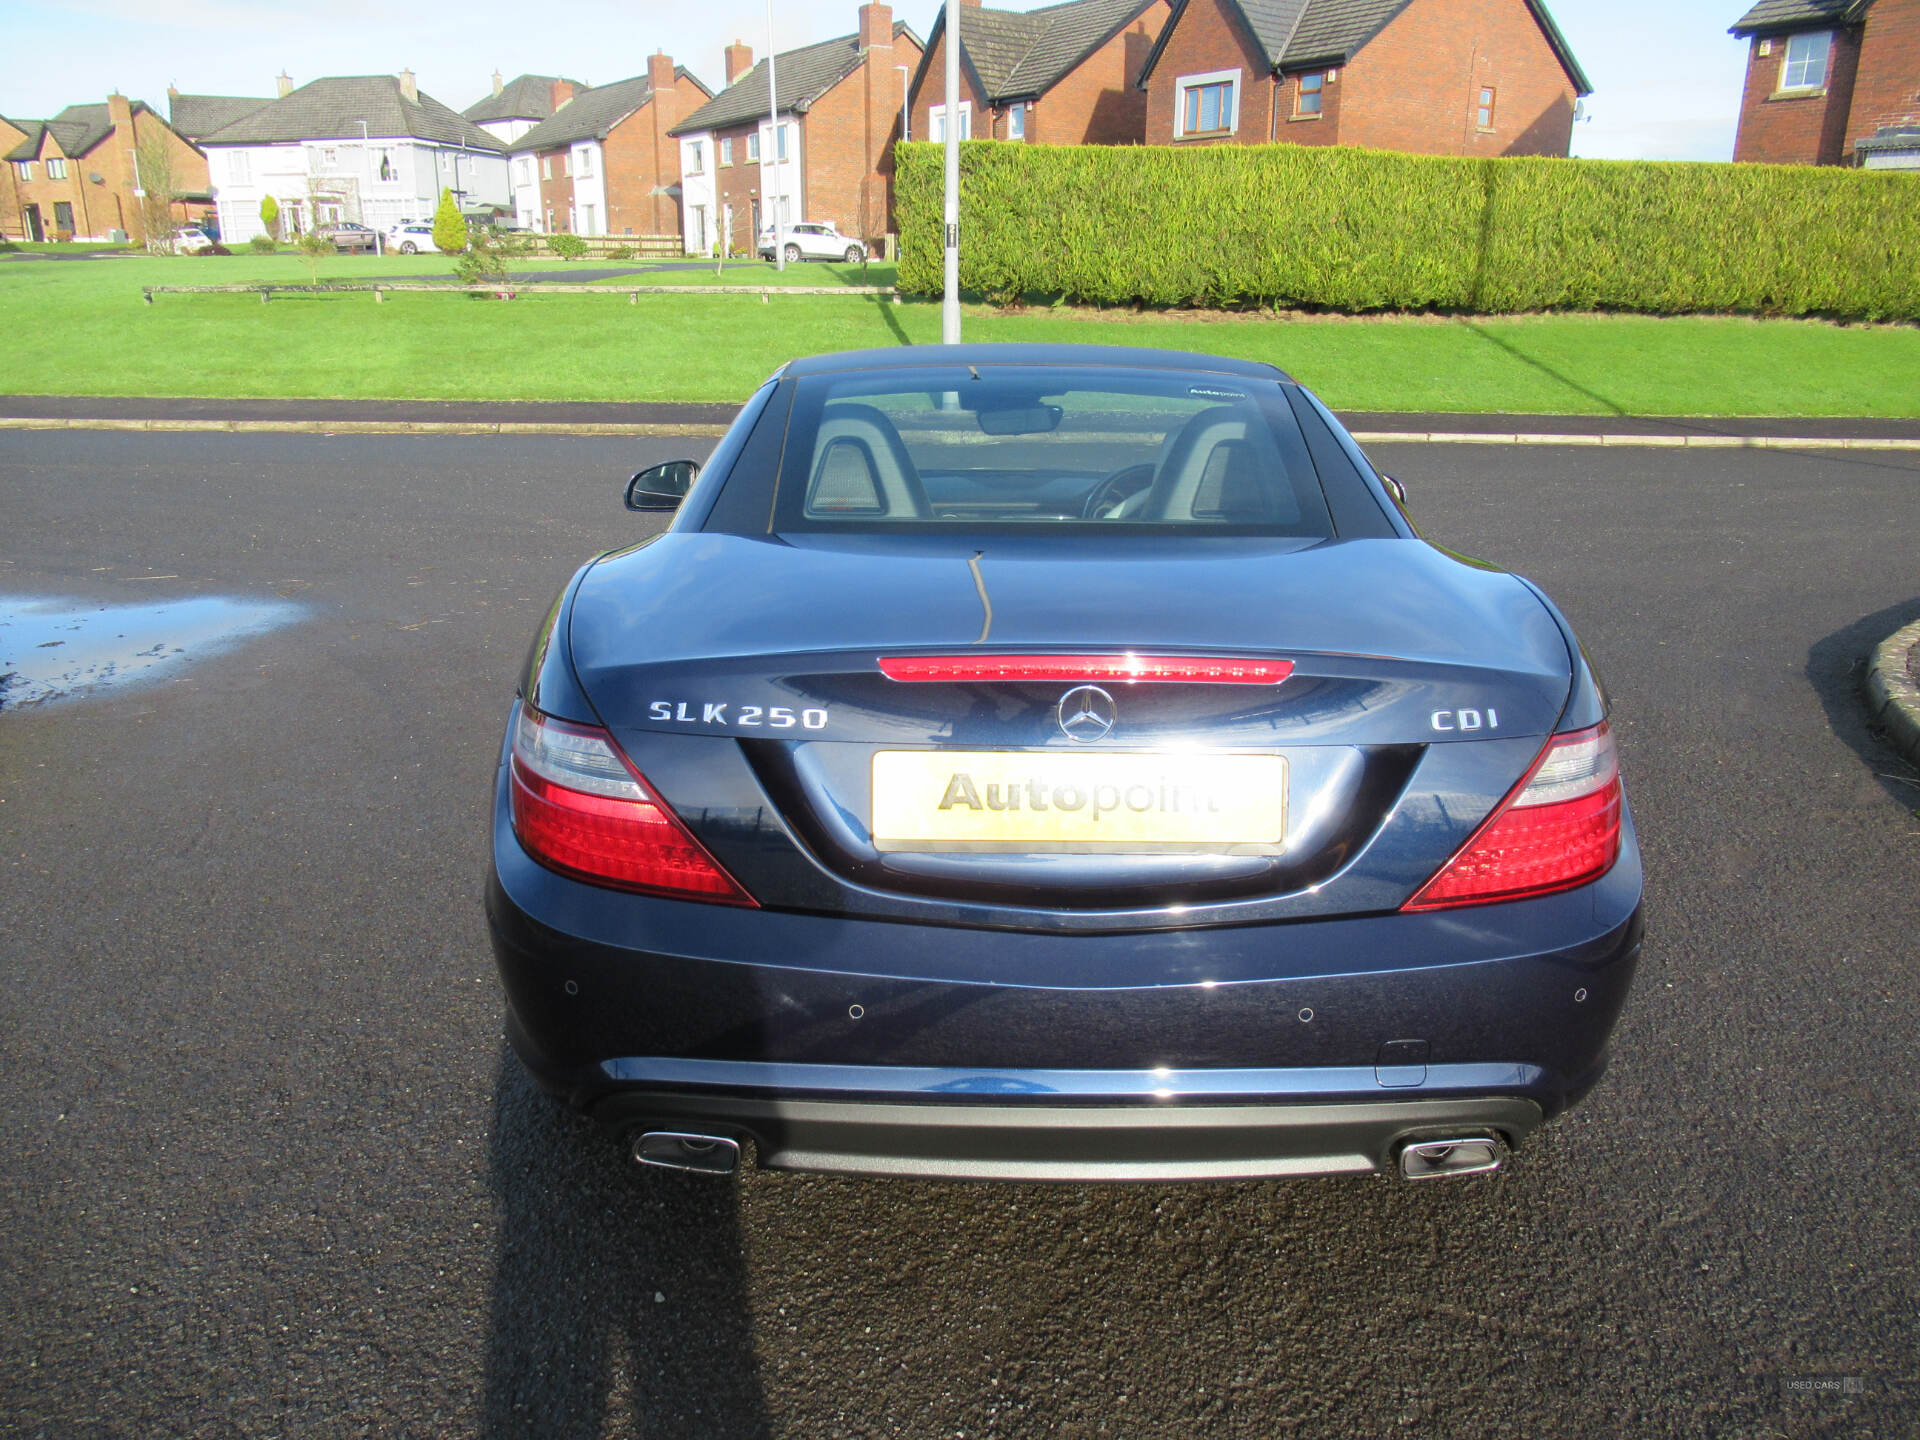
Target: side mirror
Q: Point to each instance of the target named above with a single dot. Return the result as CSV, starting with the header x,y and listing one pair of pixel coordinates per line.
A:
x,y
1394,488
661,487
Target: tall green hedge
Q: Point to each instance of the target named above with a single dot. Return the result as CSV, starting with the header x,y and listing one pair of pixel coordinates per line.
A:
x,y
1357,230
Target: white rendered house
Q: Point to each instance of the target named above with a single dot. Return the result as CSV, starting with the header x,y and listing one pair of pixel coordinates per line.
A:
x,y
367,148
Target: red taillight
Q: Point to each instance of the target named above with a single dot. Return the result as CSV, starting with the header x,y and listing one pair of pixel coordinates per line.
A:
x,y
1187,669
1559,828
580,807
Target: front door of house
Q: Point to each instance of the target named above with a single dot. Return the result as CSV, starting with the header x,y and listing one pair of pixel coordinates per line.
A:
x,y
35,231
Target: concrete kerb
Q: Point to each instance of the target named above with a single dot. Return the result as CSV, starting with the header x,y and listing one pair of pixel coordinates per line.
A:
x,y
344,426
1892,697
1641,442
370,427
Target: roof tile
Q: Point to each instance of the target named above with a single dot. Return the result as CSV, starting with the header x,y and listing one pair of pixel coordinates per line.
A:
x,y
333,108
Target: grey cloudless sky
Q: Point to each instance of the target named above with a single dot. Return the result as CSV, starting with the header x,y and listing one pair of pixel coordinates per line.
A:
x,y
1666,76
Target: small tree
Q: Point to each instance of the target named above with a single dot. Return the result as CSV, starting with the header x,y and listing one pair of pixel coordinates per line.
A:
x,y
484,262
153,158
270,216
313,247
449,226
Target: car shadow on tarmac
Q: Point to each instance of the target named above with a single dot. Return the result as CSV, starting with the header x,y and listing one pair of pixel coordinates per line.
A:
x,y
619,1299
1837,669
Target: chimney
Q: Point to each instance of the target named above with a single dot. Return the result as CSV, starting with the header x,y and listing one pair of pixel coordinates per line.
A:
x,y
498,83
561,92
285,82
408,87
876,25
173,92
739,60
660,71
121,114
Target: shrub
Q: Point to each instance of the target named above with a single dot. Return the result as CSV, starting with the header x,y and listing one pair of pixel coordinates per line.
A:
x,y
270,216
622,252
449,225
484,262
1359,230
216,249
567,247
263,244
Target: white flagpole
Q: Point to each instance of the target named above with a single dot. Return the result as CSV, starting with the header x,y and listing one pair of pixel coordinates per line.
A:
x,y
773,157
950,300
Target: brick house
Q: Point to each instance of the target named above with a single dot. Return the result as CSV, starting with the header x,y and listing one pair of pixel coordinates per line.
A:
x,y
1060,75
12,136
375,149
604,162
517,105
1831,82
1435,77
78,174
830,158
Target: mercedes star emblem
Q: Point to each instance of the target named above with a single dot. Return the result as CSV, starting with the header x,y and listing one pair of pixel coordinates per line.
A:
x,y
1086,713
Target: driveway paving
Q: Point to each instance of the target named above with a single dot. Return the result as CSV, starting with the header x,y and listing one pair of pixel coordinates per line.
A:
x,y
269,1171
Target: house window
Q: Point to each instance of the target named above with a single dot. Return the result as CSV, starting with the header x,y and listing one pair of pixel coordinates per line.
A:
x,y
696,158
386,166
587,226
1017,122
56,169
726,151
1207,104
546,166
1805,67
330,158
583,162
239,169
525,170
780,137
1312,93
937,122
753,146
24,169
1483,112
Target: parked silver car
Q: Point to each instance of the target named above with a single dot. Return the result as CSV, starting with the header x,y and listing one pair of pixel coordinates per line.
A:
x,y
811,240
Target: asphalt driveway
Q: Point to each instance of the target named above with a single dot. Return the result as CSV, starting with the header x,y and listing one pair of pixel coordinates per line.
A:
x,y
268,1169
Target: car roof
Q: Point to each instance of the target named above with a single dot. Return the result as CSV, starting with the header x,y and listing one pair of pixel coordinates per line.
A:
x,y
904,357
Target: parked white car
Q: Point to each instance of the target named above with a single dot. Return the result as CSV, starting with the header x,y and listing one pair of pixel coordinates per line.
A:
x,y
413,237
811,240
191,241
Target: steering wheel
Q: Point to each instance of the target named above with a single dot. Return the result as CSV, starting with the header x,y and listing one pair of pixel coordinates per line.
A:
x,y
1108,500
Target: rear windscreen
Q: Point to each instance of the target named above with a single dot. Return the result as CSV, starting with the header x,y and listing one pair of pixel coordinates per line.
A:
x,y
1011,446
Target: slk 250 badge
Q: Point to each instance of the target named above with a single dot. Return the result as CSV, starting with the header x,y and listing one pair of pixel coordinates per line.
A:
x,y
747,717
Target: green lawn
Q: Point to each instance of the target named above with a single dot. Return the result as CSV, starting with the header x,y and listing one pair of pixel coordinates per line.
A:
x,y
58,247
81,329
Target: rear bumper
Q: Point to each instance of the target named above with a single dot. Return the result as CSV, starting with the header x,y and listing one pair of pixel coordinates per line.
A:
x,y
1060,1125
1023,1132
880,1048
877,1046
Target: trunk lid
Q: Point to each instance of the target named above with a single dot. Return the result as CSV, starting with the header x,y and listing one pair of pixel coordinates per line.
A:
x,y
747,671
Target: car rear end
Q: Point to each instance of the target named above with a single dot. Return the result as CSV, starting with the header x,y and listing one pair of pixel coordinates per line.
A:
x,y
923,827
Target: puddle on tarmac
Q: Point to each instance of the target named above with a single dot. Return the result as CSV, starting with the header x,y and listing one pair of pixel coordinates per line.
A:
x,y
53,649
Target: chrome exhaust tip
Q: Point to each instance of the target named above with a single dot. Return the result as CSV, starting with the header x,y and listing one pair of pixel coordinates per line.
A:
x,y
1466,1155
677,1150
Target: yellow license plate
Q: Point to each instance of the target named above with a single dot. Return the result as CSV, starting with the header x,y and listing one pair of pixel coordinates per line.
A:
x,y
1054,802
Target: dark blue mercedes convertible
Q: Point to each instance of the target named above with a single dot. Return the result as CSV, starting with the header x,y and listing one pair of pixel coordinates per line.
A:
x,y
1057,763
